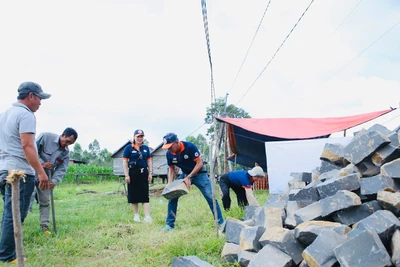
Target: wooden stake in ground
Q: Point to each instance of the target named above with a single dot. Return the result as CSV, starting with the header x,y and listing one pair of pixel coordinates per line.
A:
x,y
13,178
53,212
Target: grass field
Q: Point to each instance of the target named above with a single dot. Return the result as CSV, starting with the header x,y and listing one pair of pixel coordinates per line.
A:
x,y
95,228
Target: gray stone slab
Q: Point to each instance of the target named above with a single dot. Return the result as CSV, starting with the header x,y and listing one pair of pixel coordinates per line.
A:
x,y
249,238
333,153
233,227
244,257
292,193
230,252
391,169
325,176
269,217
349,169
327,166
320,252
389,201
363,250
249,212
343,199
284,240
307,195
307,232
355,214
277,201
189,261
383,222
364,145
302,176
371,185
291,208
331,186
295,184
308,213
380,128
270,256
367,168
385,154
175,189
395,247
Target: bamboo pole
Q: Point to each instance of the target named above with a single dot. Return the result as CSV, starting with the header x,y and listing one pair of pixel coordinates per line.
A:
x,y
13,178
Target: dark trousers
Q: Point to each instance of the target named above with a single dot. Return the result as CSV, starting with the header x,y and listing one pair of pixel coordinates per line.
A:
x,y
240,192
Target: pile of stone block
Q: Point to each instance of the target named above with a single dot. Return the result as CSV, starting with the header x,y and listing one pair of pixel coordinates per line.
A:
x,y
345,212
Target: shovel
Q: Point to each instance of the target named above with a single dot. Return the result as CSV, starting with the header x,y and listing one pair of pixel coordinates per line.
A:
x,y
53,213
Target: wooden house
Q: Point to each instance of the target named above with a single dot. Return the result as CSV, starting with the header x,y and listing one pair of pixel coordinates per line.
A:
x,y
160,167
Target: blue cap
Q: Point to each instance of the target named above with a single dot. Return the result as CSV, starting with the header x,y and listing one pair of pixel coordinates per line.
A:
x,y
138,132
169,138
31,87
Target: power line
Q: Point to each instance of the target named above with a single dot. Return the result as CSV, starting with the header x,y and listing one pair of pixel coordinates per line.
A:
x,y
194,131
333,33
359,54
351,12
251,44
276,52
205,22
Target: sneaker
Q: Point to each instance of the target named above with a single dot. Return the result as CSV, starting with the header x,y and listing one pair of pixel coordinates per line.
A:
x,y
47,232
16,261
167,228
136,218
147,219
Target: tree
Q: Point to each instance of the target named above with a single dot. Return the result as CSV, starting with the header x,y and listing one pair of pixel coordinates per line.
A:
x,y
76,153
94,155
94,149
201,142
217,109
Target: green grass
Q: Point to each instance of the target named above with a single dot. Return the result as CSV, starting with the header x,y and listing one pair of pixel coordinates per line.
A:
x,y
97,229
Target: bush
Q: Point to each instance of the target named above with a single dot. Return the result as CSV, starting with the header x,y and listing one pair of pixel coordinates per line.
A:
x,y
88,173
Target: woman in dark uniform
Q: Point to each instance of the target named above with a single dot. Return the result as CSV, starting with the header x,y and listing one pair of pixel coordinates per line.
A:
x,y
138,167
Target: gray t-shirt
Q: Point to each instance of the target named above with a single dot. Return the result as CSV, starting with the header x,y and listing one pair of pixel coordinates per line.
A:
x,y
16,120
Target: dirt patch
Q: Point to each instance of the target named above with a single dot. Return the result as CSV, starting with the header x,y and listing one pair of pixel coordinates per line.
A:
x,y
156,192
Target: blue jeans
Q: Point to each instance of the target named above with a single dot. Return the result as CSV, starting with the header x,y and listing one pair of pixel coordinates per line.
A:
x,y
7,242
202,182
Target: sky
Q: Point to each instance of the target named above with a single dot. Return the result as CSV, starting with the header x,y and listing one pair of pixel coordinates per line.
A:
x,y
113,66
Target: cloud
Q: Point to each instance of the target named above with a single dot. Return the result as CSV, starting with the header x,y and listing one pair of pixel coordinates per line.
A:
x,y
115,66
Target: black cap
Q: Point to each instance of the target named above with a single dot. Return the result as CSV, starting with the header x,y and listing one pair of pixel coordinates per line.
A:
x,y
31,87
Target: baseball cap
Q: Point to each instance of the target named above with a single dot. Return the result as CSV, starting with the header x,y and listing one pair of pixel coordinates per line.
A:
x,y
31,87
256,171
138,132
169,138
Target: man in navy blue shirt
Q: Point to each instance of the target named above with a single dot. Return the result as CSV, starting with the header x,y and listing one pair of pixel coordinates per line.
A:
x,y
241,183
186,156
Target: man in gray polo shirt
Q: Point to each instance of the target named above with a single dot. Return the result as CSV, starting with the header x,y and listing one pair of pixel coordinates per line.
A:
x,y
54,156
18,152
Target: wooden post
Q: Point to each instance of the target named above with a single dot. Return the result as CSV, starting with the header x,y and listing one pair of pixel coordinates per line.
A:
x,y
13,178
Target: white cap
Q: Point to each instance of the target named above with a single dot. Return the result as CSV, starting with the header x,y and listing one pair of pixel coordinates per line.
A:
x,y
256,171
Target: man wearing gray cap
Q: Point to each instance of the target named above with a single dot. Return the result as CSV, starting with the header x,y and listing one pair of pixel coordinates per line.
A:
x,y
241,183
18,152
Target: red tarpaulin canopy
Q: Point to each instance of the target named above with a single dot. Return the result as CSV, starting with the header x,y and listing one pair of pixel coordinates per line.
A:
x,y
247,136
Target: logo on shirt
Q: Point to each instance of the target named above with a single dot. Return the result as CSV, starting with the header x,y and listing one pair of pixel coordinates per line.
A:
x,y
196,154
134,151
174,160
185,156
144,150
